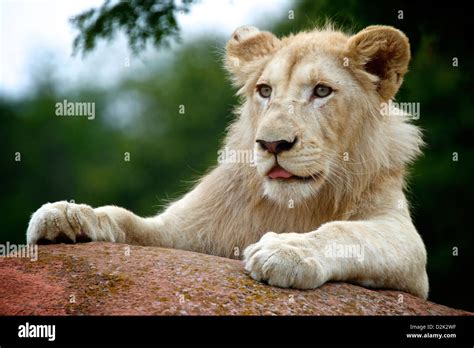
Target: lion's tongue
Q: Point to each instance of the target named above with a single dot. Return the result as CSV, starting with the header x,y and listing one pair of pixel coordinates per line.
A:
x,y
279,172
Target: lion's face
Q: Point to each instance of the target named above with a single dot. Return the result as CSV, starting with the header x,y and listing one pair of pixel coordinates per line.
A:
x,y
302,121
308,105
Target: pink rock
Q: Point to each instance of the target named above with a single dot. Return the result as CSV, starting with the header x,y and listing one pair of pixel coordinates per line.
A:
x,y
117,279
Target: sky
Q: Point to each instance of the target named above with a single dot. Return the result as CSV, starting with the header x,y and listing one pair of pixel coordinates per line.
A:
x,y
36,31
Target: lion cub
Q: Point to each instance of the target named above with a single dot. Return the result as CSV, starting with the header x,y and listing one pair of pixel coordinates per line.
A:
x,y
327,175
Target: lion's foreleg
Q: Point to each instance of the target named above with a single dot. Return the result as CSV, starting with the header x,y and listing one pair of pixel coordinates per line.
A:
x,y
380,253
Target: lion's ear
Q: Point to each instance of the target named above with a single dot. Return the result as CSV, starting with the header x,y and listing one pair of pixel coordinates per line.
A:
x,y
382,51
246,49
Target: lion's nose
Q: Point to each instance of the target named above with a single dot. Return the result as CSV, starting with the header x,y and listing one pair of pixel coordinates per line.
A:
x,y
276,146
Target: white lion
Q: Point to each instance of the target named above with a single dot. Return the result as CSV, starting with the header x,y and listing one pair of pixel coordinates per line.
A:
x,y
328,176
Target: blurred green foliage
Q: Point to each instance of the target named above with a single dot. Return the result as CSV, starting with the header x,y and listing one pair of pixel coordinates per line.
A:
x,y
73,158
143,21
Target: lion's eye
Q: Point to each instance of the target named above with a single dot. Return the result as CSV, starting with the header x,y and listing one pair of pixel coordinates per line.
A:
x,y
322,91
265,91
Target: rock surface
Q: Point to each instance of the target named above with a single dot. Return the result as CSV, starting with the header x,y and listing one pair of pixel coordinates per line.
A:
x,y
117,279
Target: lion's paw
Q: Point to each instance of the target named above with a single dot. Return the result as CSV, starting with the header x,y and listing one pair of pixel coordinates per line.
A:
x,y
62,222
285,260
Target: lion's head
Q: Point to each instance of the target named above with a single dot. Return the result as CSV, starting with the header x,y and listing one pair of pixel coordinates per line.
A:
x,y
312,108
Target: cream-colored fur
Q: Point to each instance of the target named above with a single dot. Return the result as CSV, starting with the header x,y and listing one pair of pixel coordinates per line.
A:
x,y
348,221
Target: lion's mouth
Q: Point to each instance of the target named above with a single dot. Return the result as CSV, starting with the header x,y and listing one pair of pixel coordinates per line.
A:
x,y
280,173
